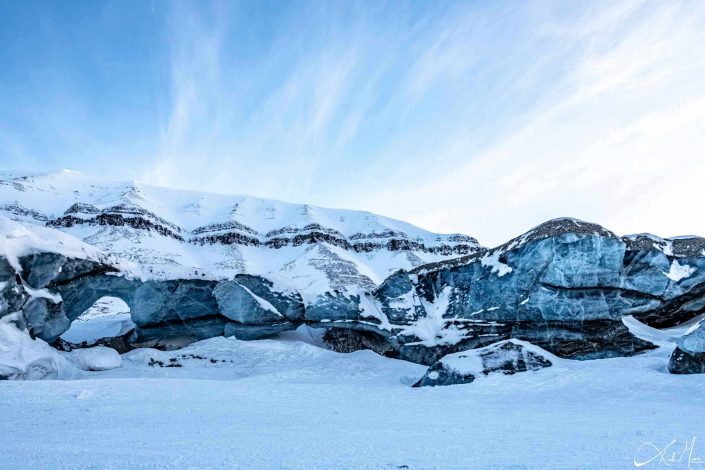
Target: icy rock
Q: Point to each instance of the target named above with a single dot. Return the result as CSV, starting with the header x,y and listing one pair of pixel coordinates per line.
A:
x,y
250,332
287,302
689,355
240,304
80,293
155,302
506,357
96,358
396,297
334,307
12,294
565,288
183,331
45,318
42,268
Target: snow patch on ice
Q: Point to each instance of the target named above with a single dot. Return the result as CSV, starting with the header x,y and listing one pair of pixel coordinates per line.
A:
x,y
433,329
679,271
262,302
665,337
492,261
18,239
464,363
43,293
368,309
666,247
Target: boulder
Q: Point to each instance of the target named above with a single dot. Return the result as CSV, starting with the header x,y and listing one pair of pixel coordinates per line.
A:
x,y
505,357
689,355
280,294
240,304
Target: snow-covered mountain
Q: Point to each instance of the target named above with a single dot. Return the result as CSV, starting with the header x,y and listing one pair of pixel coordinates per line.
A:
x,y
186,234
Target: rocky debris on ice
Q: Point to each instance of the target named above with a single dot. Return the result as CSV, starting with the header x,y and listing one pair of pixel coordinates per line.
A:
x,y
505,357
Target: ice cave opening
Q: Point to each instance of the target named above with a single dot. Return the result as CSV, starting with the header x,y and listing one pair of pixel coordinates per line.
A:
x,y
108,317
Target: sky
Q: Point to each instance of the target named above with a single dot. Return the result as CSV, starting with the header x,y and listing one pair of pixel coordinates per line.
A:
x,y
485,118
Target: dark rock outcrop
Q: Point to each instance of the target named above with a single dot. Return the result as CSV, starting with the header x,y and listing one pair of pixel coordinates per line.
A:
x,y
120,215
682,362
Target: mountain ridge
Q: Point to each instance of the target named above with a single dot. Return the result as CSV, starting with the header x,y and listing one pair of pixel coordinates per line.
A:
x,y
184,233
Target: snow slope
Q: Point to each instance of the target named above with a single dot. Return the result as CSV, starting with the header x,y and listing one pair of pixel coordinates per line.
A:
x,y
184,234
290,404
19,239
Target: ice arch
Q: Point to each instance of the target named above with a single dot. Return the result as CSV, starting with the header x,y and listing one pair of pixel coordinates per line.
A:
x,y
108,317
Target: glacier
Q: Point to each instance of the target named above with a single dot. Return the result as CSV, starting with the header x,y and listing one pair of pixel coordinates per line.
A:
x,y
192,266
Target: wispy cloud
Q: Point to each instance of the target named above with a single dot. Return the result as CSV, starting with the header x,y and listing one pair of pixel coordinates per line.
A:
x,y
481,117
193,111
624,147
277,143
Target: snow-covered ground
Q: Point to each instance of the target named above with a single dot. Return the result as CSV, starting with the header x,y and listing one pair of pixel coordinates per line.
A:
x,y
289,403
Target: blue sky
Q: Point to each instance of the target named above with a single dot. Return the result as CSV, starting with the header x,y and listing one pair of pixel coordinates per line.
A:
x,y
480,117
